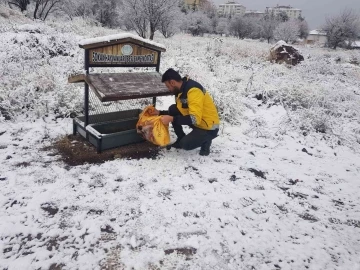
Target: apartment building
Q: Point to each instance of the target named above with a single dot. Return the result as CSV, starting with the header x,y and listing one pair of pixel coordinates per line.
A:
x,y
293,13
254,14
231,8
192,3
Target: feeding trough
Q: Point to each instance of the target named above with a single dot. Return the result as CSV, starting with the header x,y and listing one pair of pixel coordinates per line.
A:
x,y
113,101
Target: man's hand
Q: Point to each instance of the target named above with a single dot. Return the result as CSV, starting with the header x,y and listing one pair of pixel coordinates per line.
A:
x,y
154,112
166,119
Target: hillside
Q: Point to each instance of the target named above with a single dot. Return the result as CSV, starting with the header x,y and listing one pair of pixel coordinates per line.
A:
x,y
280,189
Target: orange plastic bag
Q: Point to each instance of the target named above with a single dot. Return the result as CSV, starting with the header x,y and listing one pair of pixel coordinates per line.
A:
x,y
152,129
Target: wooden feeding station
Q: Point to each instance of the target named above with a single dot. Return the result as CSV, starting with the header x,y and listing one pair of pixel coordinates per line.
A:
x,y
113,101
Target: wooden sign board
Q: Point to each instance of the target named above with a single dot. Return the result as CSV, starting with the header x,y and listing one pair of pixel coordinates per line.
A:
x,y
123,54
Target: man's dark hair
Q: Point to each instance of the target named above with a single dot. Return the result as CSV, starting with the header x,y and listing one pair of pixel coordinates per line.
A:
x,y
171,74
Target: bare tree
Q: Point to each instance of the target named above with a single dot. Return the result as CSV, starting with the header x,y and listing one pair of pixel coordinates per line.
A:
x,y
22,4
104,12
288,31
222,26
148,14
282,16
303,28
267,26
197,23
44,7
156,11
214,22
134,17
240,27
208,8
171,23
76,8
255,28
342,27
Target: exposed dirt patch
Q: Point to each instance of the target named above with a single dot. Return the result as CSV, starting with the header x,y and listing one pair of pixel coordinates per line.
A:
x,y
22,164
258,173
309,217
55,266
75,150
187,252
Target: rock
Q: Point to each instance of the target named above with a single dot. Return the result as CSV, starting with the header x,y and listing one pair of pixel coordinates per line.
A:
x,y
305,151
233,178
258,173
309,217
50,208
4,112
107,229
284,53
259,96
212,180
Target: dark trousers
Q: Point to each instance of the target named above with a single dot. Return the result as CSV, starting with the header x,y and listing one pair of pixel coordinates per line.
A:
x,y
196,138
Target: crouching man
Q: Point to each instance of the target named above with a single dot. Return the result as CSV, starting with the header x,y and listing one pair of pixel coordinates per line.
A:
x,y
194,107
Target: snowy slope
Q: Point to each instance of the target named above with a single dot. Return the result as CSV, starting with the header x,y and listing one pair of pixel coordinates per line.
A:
x,y
214,205
273,194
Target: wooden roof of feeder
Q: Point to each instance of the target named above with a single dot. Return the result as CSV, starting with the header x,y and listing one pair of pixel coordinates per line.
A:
x,y
122,50
120,38
122,86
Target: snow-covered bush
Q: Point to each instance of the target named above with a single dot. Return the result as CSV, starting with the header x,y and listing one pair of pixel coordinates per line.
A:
x,y
197,23
222,26
35,61
342,27
288,31
4,12
170,25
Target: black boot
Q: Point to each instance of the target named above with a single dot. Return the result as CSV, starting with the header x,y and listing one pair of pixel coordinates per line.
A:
x,y
205,148
174,145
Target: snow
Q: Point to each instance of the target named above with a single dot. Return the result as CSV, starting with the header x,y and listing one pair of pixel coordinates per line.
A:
x,y
279,44
254,12
303,212
234,222
354,44
317,32
118,36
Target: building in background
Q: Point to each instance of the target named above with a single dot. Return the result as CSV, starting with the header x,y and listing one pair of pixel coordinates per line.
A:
x,y
193,4
254,14
317,37
231,8
293,13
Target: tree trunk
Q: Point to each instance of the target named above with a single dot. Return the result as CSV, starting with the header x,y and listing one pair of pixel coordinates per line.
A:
x,y
151,34
49,10
152,31
36,9
43,9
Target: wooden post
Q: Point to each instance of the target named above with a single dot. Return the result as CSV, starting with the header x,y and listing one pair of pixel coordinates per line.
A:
x,y
158,70
86,99
158,63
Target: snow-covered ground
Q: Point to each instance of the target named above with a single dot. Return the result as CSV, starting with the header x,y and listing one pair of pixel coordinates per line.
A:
x,y
280,189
